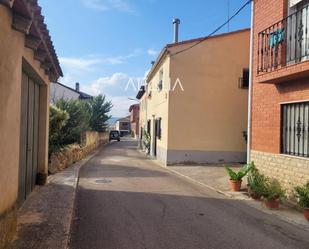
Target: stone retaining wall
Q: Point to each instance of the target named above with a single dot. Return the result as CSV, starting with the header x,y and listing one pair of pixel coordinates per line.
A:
x,y
289,170
75,152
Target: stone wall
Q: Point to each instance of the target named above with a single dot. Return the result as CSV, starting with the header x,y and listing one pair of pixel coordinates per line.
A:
x,y
103,137
75,152
89,138
290,171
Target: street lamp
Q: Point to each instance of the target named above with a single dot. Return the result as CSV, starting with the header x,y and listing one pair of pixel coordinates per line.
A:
x,y
133,99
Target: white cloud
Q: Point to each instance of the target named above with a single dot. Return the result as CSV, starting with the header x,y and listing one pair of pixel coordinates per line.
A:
x,y
98,86
79,63
121,105
106,5
117,88
90,62
120,81
152,52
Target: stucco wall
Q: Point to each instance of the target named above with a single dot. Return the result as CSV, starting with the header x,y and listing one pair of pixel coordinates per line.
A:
x,y
11,50
12,53
157,106
143,112
210,115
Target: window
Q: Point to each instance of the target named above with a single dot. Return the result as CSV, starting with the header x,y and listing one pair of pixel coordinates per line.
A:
x,y
297,35
158,126
148,126
244,80
160,83
149,88
295,129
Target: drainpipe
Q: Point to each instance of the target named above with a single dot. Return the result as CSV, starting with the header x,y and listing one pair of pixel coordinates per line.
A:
x,y
250,86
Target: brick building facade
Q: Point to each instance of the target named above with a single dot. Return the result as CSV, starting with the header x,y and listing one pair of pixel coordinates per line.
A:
x,y
134,119
280,93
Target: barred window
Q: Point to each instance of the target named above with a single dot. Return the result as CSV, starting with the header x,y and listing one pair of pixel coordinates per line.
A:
x,y
295,129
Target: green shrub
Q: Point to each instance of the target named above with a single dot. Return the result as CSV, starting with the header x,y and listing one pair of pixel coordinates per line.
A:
x,y
237,176
57,120
256,181
273,189
69,118
302,194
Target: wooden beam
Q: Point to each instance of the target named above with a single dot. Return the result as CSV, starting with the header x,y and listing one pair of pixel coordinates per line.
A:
x,y
53,77
21,23
40,55
32,42
8,3
46,65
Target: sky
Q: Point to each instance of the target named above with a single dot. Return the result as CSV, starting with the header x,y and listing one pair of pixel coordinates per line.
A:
x,y
108,45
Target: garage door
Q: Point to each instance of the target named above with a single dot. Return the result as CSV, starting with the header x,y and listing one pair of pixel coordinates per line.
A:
x,y
28,136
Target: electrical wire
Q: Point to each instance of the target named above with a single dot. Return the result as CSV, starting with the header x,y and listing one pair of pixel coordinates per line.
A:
x,y
216,30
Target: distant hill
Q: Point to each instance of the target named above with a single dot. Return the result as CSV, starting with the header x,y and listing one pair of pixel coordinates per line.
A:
x,y
112,120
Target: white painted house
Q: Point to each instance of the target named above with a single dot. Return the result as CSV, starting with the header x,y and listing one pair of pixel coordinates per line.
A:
x,y
60,91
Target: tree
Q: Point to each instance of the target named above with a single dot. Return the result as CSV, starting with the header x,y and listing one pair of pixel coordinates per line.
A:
x,y
100,108
80,114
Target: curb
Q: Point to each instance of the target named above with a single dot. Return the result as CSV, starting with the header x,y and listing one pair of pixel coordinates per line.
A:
x,y
186,177
202,184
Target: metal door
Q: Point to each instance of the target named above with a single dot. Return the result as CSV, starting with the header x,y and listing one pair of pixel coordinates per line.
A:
x,y
28,137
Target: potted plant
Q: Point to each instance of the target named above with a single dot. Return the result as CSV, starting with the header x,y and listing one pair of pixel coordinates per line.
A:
x,y
236,177
273,192
302,194
147,141
256,183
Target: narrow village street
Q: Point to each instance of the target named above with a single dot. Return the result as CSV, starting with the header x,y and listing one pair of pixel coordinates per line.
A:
x,y
127,201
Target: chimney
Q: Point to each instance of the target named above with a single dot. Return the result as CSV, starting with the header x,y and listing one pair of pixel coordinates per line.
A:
x,y
176,23
77,86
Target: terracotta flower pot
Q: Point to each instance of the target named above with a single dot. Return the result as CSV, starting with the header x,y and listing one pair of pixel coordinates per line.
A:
x,y
272,203
306,213
235,185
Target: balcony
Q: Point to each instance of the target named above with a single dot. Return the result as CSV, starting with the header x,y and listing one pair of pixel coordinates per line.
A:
x,y
283,49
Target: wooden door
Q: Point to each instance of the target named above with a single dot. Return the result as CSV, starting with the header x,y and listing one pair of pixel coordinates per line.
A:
x,y
28,137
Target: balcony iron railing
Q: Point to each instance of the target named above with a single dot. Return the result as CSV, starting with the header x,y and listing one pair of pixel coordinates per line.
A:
x,y
284,43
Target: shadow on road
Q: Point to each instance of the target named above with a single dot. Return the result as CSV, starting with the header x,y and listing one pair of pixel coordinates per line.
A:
x,y
133,220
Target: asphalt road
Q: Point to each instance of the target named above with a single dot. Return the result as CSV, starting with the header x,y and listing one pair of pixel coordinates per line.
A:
x,y
125,201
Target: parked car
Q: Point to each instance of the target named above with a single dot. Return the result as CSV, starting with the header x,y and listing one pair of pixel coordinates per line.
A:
x,y
124,133
114,135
